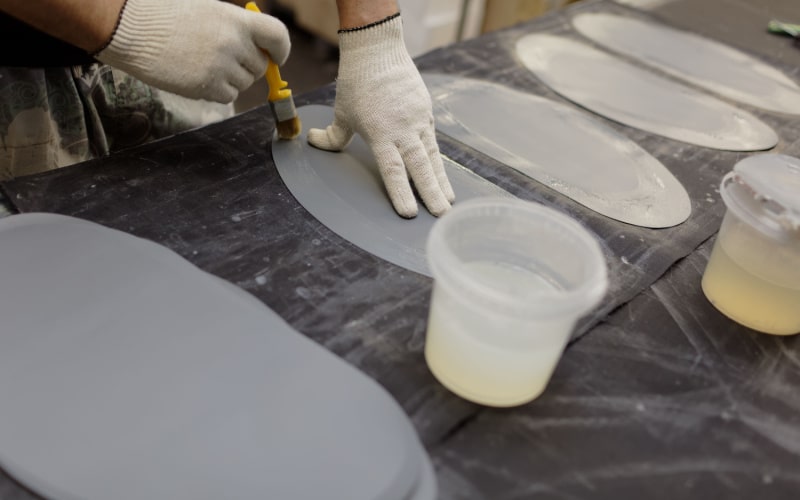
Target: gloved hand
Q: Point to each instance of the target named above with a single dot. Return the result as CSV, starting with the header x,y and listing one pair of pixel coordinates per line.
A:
x,y
381,96
201,49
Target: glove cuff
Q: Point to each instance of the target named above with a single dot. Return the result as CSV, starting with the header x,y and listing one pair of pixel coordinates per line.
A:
x,y
372,48
113,32
370,25
142,32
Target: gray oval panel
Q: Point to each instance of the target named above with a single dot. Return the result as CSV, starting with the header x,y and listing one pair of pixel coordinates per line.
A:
x,y
565,149
344,191
128,373
633,96
699,60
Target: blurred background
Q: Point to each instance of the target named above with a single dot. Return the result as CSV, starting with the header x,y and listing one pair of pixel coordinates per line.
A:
x,y
427,24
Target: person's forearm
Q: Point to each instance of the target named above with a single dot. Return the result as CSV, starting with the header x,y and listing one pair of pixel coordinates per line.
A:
x,y
356,13
87,24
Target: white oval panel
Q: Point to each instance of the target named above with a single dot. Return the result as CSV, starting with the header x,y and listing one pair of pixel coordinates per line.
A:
x,y
706,63
562,148
631,95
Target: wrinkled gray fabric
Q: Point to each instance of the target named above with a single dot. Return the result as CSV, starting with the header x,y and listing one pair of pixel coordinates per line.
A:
x,y
54,117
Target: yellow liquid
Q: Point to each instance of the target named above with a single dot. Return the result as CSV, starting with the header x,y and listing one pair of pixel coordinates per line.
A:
x,y
748,299
468,350
499,378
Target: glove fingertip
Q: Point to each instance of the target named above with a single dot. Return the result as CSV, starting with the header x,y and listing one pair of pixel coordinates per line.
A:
x,y
438,207
405,209
283,54
272,35
318,138
449,194
332,138
224,95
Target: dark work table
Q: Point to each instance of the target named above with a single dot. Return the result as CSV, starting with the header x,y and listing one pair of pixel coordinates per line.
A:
x,y
658,396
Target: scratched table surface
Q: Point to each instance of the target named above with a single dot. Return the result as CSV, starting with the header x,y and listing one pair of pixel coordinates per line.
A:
x,y
658,395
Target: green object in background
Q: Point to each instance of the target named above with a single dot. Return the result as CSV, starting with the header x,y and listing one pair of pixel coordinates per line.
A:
x,y
784,28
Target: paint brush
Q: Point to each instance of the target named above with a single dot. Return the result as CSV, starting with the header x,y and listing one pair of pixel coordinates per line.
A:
x,y
280,98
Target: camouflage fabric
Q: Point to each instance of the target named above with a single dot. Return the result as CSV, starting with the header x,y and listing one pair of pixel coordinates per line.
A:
x,y
53,117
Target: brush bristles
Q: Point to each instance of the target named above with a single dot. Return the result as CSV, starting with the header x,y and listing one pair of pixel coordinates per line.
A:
x,y
285,114
289,129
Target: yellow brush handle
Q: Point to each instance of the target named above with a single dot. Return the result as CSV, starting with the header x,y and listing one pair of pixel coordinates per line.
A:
x,y
277,87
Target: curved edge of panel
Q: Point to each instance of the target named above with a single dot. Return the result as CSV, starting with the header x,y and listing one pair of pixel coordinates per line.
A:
x,y
541,54
659,200
782,94
355,205
123,249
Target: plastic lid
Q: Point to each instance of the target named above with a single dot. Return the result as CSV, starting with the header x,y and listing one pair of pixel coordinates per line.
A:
x,y
448,268
764,189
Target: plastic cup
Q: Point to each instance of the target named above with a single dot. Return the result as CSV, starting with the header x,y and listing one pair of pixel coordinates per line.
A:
x,y
753,273
511,279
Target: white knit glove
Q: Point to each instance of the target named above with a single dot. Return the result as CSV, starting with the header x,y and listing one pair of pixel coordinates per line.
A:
x,y
381,96
202,49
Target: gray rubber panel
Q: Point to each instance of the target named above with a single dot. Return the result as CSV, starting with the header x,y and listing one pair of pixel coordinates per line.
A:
x,y
344,191
128,373
638,97
706,63
565,149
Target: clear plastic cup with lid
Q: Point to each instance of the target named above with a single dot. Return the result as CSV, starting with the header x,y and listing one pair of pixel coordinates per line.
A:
x,y
753,273
511,279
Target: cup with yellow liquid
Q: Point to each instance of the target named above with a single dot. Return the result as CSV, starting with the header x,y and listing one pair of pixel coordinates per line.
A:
x,y
511,279
753,273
